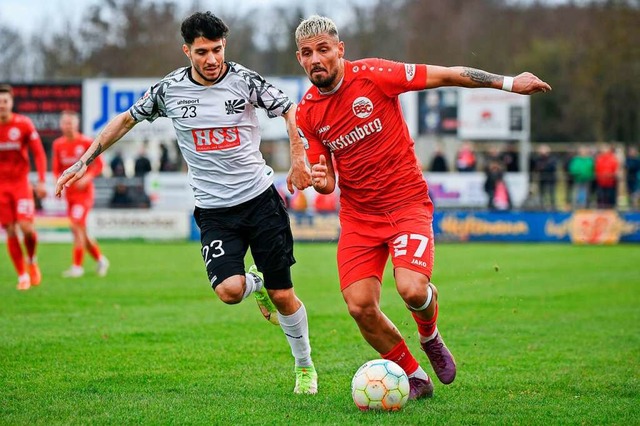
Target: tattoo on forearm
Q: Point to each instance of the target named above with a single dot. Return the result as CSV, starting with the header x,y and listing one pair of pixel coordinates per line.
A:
x,y
95,154
73,169
483,78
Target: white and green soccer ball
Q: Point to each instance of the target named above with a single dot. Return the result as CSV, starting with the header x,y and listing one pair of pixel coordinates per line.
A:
x,y
380,384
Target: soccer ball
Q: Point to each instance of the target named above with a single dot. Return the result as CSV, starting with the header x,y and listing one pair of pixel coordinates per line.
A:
x,y
380,384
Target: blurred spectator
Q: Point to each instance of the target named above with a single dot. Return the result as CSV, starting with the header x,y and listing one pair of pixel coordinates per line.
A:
x,y
492,155
298,206
606,170
121,199
117,165
438,162
581,170
129,194
511,158
166,165
568,177
632,172
544,169
496,187
142,164
466,158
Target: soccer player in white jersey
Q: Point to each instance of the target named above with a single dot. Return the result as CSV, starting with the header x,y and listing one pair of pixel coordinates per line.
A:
x,y
213,107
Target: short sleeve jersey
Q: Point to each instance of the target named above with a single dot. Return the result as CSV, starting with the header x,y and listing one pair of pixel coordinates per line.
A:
x,y
218,130
362,126
15,138
65,154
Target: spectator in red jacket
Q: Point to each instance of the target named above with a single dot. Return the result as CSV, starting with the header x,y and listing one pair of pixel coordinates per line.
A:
x,y
606,170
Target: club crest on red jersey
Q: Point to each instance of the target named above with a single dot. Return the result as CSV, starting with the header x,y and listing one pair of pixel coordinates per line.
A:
x,y
362,107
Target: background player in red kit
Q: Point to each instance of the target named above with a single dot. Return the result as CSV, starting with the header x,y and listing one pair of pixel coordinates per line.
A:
x,y
68,149
18,136
353,114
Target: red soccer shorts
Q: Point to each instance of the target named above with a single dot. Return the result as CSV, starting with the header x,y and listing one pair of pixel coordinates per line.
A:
x,y
78,209
367,241
16,202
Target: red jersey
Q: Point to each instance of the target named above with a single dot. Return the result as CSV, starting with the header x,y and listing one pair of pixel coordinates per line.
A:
x,y
65,154
17,137
362,126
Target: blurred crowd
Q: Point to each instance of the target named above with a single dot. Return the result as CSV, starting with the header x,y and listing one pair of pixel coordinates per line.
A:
x,y
585,176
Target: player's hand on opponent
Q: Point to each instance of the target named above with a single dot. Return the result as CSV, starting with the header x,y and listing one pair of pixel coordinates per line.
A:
x,y
528,84
69,176
319,173
298,176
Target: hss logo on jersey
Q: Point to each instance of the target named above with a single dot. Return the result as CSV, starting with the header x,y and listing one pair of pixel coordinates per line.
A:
x,y
216,139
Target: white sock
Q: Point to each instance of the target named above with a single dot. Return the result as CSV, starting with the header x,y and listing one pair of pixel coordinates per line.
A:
x,y
296,329
424,339
420,374
251,285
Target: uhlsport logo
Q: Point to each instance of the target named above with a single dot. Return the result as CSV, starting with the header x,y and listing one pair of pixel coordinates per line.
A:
x,y
362,107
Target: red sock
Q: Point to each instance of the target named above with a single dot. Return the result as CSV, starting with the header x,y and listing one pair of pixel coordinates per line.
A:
x,y
78,255
30,243
400,355
426,328
94,250
15,252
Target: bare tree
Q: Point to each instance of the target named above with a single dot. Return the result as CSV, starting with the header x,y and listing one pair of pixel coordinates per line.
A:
x,y
12,59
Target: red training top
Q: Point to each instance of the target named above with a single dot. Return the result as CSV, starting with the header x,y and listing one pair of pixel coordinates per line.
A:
x,y
65,154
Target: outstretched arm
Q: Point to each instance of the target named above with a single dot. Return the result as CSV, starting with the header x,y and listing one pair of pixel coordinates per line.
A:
x,y
524,84
113,131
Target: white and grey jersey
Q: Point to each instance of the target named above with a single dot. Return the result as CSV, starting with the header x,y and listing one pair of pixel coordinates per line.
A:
x,y
218,130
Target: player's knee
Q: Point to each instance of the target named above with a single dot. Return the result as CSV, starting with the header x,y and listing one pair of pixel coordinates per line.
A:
x,y
363,314
435,291
231,290
26,228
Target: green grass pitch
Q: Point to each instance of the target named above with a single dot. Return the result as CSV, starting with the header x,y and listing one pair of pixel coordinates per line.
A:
x,y
543,334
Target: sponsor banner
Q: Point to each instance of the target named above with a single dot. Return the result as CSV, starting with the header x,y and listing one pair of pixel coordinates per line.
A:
x,y
492,114
104,98
438,111
580,227
466,190
144,224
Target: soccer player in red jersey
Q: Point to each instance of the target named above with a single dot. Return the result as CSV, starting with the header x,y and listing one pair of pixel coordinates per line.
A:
x,y
18,136
68,149
352,113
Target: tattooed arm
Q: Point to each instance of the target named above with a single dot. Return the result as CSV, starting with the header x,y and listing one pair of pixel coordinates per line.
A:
x,y
524,84
113,131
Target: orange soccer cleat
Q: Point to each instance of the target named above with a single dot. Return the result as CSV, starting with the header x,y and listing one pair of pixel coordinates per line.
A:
x,y
34,273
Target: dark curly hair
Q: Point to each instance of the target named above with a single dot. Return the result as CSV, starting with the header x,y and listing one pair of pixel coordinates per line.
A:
x,y
203,24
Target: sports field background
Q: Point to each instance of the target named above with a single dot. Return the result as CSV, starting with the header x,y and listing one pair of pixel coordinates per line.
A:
x,y
543,334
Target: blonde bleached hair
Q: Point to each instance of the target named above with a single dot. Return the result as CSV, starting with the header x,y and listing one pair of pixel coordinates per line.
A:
x,y
316,25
